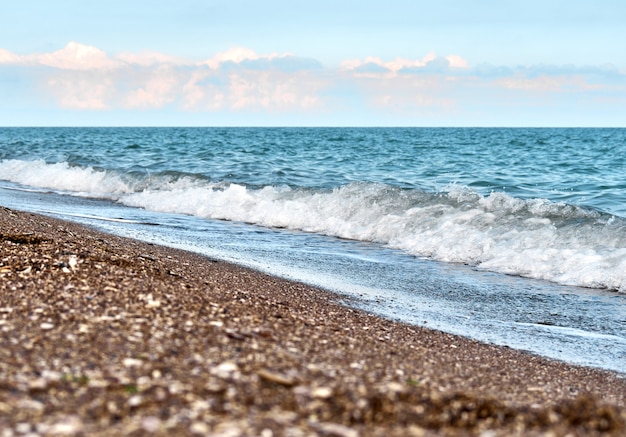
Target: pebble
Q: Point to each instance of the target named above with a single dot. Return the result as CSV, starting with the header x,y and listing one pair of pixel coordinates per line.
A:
x,y
295,375
322,392
132,362
276,377
225,370
199,428
336,430
69,426
135,401
150,424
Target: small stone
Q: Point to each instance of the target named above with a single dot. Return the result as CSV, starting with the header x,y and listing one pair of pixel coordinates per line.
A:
x,y
395,387
336,430
46,326
51,375
225,370
276,378
135,401
153,304
38,384
23,428
322,392
535,389
29,404
132,362
231,333
199,428
263,332
70,425
150,424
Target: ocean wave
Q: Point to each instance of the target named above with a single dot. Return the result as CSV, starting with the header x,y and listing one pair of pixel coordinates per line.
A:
x,y
534,238
91,182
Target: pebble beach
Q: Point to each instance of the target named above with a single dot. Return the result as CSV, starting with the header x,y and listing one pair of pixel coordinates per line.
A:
x,y
102,335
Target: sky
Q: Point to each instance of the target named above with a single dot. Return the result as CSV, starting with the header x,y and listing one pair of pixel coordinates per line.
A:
x,y
313,63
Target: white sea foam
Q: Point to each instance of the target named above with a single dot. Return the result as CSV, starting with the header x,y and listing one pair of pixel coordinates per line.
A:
x,y
62,177
534,238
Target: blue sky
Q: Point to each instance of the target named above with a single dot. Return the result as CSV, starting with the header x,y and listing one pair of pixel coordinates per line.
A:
x,y
278,62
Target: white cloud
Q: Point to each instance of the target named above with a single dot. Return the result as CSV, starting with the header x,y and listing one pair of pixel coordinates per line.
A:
x,y
243,90
158,88
423,86
200,96
456,61
75,56
147,59
84,77
76,92
558,83
543,83
375,67
6,57
409,94
237,55
271,90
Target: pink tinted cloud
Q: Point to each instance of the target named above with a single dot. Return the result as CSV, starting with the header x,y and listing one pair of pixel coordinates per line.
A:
x,y
241,90
407,85
74,56
147,59
272,90
6,57
235,54
456,61
548,84
363,67
81,92
85,77
158,88
80,76
198,95
409,94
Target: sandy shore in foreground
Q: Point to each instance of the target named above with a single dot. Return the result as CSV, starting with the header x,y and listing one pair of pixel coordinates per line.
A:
x,y
102,335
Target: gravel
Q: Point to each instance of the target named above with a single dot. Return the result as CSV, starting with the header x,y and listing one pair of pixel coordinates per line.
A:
x,y
101,335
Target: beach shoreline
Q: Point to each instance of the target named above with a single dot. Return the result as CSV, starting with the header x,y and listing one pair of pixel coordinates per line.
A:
x,y
107,335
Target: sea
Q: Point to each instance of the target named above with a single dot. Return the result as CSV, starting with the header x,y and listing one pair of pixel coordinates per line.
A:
x,y
511,236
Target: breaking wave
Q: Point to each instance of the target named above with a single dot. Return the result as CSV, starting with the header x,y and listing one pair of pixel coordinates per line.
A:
x,y
534,238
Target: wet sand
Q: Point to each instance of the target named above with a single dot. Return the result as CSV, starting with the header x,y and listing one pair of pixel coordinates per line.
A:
x,y
102,335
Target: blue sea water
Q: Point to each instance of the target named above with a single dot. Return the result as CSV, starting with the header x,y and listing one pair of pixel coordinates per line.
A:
x,y
514,236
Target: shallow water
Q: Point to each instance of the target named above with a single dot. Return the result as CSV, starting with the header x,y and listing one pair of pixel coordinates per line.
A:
x,y
573,324
540,203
